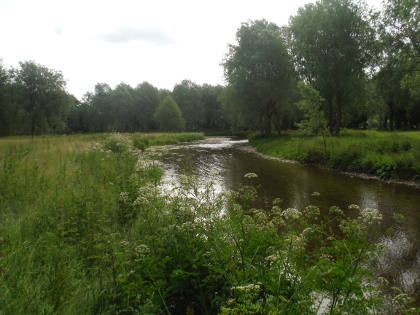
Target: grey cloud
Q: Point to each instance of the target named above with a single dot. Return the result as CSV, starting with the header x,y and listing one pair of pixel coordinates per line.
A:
x,y
124,35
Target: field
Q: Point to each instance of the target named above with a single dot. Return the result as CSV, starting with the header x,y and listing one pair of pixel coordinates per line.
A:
x,y
86,229
389,155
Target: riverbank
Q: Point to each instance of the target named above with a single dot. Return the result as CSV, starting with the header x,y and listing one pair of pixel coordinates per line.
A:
x,y
389,156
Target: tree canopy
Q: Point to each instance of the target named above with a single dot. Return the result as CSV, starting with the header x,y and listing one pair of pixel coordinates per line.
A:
x,y
331,42
169,116
259,69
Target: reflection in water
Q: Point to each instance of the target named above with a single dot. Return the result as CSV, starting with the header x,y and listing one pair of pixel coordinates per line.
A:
x,y
295,184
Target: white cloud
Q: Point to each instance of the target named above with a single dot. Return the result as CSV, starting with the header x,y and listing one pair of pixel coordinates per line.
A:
x,y
129,34
159,41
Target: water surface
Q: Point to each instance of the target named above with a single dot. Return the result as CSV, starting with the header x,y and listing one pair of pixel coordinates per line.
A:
x,y
295,185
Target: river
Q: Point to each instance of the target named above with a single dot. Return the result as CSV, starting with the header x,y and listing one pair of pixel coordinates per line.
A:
x,y
225,161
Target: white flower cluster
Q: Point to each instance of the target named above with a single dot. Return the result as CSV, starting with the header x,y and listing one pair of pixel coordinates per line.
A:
x,y
124,197
291,213
296,242
249,287
312,211
370,216
146,194
354,207
250,175
142,250
273,258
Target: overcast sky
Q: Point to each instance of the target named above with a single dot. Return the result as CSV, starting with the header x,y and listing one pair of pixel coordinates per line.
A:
x,y
162,42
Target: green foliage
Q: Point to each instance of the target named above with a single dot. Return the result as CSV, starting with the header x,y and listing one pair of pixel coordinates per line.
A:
x,y
168,116
331,42
260,73
33,100
311,105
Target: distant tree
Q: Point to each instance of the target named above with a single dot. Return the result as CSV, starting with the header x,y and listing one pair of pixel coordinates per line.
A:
x,y
332,42
212,107
169,116
259,70
42,93
122,102
7,111
187,95
146,100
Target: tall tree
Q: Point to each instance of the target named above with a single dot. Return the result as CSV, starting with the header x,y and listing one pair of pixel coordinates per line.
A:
x,y
260,72
331,42
399,76
187,95
169,116
146,100
42,93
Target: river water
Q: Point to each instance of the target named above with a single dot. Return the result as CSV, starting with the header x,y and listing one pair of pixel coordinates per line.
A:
x,y
226,161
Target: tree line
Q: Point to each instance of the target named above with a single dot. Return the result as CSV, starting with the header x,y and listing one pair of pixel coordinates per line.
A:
x,y
336,64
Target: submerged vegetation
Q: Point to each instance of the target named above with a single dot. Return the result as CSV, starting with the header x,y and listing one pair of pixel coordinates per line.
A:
x,y
87,228
388,155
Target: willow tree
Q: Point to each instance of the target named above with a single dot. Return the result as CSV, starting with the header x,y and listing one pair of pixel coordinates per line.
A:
x,y
331,43
259,70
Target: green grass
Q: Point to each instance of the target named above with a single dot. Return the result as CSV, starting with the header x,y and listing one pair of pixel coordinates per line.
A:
x,y
85,229
389,155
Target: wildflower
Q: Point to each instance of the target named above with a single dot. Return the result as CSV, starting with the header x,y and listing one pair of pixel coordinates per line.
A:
x,y
370,216
250,175
272,258
312,211
249,287
142,250
354,207
291,213
296,242
124,196
336,210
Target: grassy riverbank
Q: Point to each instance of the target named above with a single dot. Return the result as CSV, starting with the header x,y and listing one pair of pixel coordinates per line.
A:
x,y
389,155
86,228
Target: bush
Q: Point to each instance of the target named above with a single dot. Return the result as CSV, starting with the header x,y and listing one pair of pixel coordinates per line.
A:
x,y
117,143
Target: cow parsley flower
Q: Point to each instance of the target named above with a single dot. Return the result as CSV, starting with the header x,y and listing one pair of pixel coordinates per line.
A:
x,y
250,175
291,213
370,216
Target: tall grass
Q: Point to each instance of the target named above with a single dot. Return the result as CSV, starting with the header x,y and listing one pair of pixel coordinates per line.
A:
x,y
389,155
85,228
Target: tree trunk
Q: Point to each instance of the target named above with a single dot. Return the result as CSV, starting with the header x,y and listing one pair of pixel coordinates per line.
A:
x,y
277,123
391,116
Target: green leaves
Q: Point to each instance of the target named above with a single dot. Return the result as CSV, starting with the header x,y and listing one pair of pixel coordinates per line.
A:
x,y
168,116
259,70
